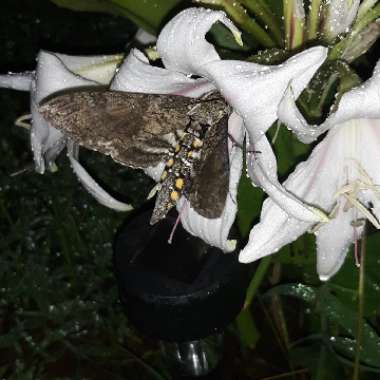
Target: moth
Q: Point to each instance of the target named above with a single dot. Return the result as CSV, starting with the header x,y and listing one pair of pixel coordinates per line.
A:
x,y
143,130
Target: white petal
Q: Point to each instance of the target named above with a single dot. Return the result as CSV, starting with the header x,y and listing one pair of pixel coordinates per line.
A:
x,y
52,76
14,81
275,230
91,185
333,241
360,103
182,44
215,231
315,182
96,68
340,15
262,169
43,137
255,91
137,75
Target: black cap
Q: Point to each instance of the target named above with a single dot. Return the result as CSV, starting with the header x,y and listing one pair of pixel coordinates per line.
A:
x,y
176,292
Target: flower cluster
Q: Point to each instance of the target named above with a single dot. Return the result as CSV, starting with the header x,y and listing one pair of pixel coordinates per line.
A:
x,y
332,193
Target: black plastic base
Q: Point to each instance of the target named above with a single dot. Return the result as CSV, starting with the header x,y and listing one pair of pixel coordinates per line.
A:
x,y
176,292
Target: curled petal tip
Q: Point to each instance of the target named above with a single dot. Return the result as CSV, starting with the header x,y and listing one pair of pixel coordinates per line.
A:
x,y
324,277
237,37
244,258
231,245
323,218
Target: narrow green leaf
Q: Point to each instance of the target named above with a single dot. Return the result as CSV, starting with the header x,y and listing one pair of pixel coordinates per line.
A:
x,y
304,293
239,15
346,318
249,204
248,332
257,278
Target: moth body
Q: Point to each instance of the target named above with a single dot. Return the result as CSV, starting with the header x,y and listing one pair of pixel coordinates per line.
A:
x,y
143,130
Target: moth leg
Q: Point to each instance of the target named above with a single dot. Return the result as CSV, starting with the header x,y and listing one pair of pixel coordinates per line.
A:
x,y
170,240
24,121
155,189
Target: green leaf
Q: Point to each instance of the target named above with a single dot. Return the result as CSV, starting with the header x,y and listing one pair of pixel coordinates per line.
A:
x,y
347,346
249,200
222,37
257,279
147,14
343,316
344,283
248,332
318,359
304,293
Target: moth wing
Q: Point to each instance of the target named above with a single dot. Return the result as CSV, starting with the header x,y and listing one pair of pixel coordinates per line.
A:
x,y
210,175
136,130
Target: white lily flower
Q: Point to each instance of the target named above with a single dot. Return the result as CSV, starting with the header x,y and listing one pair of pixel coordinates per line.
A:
x,y
341,176
253,90
56,72
340,15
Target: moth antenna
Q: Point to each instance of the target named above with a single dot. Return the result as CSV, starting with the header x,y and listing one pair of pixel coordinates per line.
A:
x,y
236,143
22,171
249,150
170,240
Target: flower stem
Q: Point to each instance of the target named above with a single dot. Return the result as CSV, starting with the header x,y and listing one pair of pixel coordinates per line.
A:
x,y
261,10
359,324
294,19
313,19
365,6
367,18
257,280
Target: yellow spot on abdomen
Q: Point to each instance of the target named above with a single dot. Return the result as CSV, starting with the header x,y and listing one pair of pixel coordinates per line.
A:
x,y
169,163
163,175
179,183
174,196
197,143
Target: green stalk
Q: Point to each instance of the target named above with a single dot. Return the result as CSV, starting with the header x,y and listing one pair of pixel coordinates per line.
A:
x,y
367,18
239,15
313,19
365,6
294,19
263,12
359,325
257,280
287,6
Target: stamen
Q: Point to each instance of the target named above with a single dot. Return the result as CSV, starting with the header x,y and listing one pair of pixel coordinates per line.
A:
x,y
350,193
359,206
356,251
